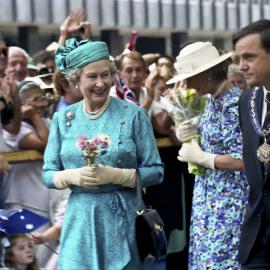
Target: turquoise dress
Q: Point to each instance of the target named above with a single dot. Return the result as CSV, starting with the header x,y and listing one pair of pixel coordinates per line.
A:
x,y
98,229
219,197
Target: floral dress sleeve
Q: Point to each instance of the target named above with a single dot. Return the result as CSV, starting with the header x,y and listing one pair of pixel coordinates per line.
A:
x,y
232,137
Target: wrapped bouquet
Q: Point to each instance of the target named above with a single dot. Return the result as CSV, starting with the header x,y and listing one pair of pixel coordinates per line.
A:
x,y
184,104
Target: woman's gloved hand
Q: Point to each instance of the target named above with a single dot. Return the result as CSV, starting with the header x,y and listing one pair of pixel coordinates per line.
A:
x,y
192,152
186,131
82,177
111,175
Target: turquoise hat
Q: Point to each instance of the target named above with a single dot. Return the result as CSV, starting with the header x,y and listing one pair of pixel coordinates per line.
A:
x,y
77,54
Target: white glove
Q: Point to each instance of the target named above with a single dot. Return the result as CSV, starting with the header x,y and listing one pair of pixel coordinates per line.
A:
x,y
110,175
186,131
83,177
192,152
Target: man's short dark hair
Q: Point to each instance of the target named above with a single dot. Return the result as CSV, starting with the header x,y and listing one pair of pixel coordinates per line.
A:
x,y
166,56
261,27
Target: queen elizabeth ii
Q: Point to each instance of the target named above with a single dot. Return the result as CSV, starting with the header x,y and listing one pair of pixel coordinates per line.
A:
x,y
98,228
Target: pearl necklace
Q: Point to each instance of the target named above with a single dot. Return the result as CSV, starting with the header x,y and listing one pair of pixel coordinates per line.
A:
x,y
97,114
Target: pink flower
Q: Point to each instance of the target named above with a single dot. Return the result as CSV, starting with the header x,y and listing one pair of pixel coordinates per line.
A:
x,y
81,142
92,148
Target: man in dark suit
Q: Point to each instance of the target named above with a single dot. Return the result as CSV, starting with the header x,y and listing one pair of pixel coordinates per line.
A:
x,y
252,46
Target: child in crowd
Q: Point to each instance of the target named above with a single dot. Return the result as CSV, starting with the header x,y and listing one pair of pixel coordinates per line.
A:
x,y
52,233
20,255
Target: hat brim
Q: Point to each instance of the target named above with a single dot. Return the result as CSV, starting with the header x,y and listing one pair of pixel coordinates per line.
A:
x,y
184,76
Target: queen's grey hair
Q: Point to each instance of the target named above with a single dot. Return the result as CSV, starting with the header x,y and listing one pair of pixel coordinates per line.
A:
x,y
73,75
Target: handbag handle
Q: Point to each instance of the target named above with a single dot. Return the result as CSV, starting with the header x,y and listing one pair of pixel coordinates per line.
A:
x,y
141,197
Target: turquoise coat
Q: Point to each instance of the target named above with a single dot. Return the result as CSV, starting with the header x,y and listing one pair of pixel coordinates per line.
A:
x,y
98,230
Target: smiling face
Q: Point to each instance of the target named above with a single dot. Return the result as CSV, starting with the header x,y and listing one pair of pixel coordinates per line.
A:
x,y
35,98
17,65
254,60
95,82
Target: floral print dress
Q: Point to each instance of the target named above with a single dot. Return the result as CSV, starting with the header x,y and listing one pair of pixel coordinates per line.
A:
x,y
219,197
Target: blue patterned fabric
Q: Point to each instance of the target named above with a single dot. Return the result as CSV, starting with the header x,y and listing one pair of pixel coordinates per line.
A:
x,y
98,229
219,197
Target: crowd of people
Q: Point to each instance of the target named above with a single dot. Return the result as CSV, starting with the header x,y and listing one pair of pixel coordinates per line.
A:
x,y
98,119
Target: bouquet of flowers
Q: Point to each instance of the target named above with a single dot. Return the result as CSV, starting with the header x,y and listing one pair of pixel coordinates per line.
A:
x,y
185,104
93,148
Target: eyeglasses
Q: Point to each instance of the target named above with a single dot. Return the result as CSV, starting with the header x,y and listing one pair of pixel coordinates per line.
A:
x,y
38,99
4,51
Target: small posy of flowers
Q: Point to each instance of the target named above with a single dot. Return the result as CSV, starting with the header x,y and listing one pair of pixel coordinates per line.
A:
x,y
93,148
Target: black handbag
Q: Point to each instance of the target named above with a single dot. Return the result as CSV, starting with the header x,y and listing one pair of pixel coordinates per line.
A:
x,y
149,227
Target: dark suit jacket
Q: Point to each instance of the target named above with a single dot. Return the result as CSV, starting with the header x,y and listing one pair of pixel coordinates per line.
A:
x,y
259,197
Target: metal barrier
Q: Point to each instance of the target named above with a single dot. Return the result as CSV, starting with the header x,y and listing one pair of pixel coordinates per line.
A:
x,y
22,156
33,155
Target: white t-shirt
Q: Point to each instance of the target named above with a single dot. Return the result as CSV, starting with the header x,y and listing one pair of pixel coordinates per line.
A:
x,y
3,146
23,184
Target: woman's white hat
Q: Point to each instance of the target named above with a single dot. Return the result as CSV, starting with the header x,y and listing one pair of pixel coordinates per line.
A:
x,y
196,58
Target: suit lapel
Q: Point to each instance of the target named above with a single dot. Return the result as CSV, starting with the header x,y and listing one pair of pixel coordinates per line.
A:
x,y
258,140
259,104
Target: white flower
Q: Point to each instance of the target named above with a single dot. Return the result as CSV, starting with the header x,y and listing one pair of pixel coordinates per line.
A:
x,y
22,217
104,138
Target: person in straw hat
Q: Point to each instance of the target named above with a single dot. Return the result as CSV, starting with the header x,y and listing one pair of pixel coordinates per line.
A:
x,y
220,195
